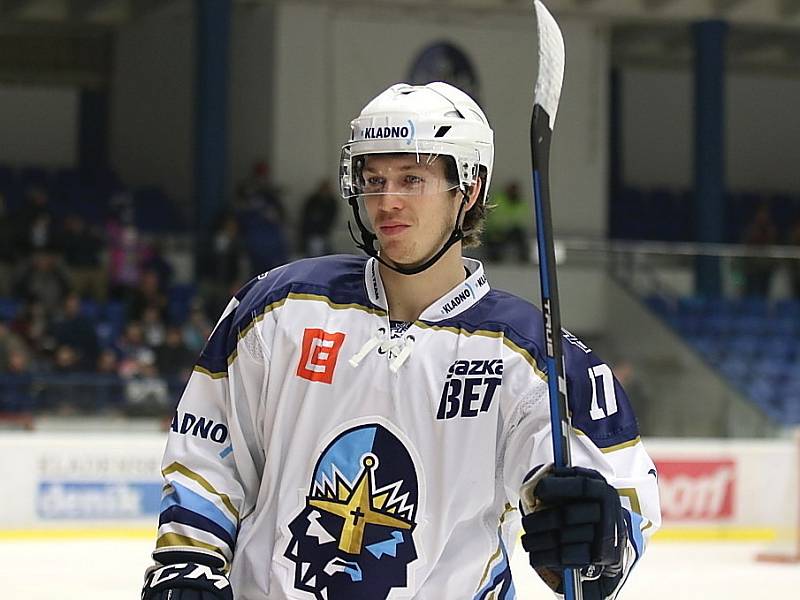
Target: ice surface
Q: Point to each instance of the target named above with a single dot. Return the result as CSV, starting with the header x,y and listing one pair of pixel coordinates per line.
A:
x,y
112,570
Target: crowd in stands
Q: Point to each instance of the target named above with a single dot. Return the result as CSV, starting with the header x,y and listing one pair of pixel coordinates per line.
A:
x,y
90,317
92,320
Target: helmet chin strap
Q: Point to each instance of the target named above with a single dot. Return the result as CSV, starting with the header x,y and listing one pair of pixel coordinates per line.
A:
x,y
368,239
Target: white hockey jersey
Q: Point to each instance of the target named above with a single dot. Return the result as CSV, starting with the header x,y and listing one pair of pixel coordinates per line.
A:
x,y
327,453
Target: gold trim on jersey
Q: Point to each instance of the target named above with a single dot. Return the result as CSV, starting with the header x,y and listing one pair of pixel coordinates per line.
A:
x,y
615,447
277,304
211,374
633,496
169,540
319,298
490,334
176,467
380,313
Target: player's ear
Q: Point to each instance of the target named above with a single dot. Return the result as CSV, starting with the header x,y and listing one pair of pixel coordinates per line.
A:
x,y
474,194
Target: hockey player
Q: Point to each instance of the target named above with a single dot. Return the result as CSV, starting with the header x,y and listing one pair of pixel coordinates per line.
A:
x,y
360,428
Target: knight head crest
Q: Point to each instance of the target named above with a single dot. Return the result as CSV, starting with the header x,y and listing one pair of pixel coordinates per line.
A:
x,y
354,537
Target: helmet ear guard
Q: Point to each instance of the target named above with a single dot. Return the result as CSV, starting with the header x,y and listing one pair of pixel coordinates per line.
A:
x,y
432,120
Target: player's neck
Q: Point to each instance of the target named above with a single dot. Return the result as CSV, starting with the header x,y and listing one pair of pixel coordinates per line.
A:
x,y
409,295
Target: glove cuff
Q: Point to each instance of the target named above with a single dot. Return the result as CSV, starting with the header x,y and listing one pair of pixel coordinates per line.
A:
x,y
186,576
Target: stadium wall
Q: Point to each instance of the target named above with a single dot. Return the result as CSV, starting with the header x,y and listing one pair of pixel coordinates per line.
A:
x,y
332,61
762,130
95,485
38,125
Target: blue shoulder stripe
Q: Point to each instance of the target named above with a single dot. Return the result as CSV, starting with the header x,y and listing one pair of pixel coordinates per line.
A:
x,y
190,500
178,514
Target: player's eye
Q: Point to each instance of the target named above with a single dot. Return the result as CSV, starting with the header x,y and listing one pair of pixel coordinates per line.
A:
x,y
374,183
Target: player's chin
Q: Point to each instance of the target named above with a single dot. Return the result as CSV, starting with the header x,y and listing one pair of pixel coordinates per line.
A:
x,y
395,251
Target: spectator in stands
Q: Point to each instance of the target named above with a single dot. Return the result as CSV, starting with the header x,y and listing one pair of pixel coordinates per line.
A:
x,y
43,279
8,251
155,260
794,264
126,253
71,329
265,242
146,394
257,193
34,222
224,263
227,252
197,328
263,220
19,361
109,384
757,271
318,219
13,351
15,373
174,359
507,225
31,324
66,360
107,362
133,350
82,247
153,326
147,295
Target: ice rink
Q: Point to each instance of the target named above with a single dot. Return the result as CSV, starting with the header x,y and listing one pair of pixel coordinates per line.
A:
x,y
111,569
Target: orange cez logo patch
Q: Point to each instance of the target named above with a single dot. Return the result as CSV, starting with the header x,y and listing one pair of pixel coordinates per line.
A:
x,y
318,358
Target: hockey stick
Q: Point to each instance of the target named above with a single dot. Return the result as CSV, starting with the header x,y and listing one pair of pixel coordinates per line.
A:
x,y
545,106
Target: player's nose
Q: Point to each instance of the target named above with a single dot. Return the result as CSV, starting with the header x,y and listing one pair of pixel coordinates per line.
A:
x,y
391,199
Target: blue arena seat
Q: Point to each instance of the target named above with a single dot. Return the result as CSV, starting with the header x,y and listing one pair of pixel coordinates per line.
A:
x,y
8,309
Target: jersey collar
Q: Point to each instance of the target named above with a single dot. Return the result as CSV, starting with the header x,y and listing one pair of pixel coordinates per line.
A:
x,y
456,301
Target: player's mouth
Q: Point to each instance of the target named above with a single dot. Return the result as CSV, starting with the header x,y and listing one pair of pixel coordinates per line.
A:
x,y
391,229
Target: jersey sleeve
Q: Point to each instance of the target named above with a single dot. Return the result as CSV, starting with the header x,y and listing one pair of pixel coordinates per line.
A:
x,y
604,437
212,464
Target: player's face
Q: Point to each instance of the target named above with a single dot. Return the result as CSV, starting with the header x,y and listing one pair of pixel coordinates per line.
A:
x,y
412,207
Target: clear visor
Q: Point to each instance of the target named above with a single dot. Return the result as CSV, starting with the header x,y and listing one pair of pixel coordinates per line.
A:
x,y
396,173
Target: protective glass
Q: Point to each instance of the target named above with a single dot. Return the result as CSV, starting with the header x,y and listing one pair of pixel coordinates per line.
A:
x,y
404,173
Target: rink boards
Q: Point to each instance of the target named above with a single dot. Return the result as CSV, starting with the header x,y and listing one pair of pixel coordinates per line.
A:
x,y
103,485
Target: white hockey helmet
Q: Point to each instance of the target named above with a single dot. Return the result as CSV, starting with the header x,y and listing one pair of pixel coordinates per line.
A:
x,y
428,120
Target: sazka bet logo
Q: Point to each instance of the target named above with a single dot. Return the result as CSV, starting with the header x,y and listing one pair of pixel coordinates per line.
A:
x,y
469,388
354,537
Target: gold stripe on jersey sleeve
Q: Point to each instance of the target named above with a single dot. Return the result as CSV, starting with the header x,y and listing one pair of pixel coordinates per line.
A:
x,y
211,374
633,496
176,467
615,447
169,540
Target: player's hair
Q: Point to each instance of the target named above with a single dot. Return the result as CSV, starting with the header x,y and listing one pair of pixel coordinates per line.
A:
x,y
475,218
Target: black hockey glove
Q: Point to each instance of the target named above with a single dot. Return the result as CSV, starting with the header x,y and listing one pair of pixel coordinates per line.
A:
x,y
186,581
577,522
